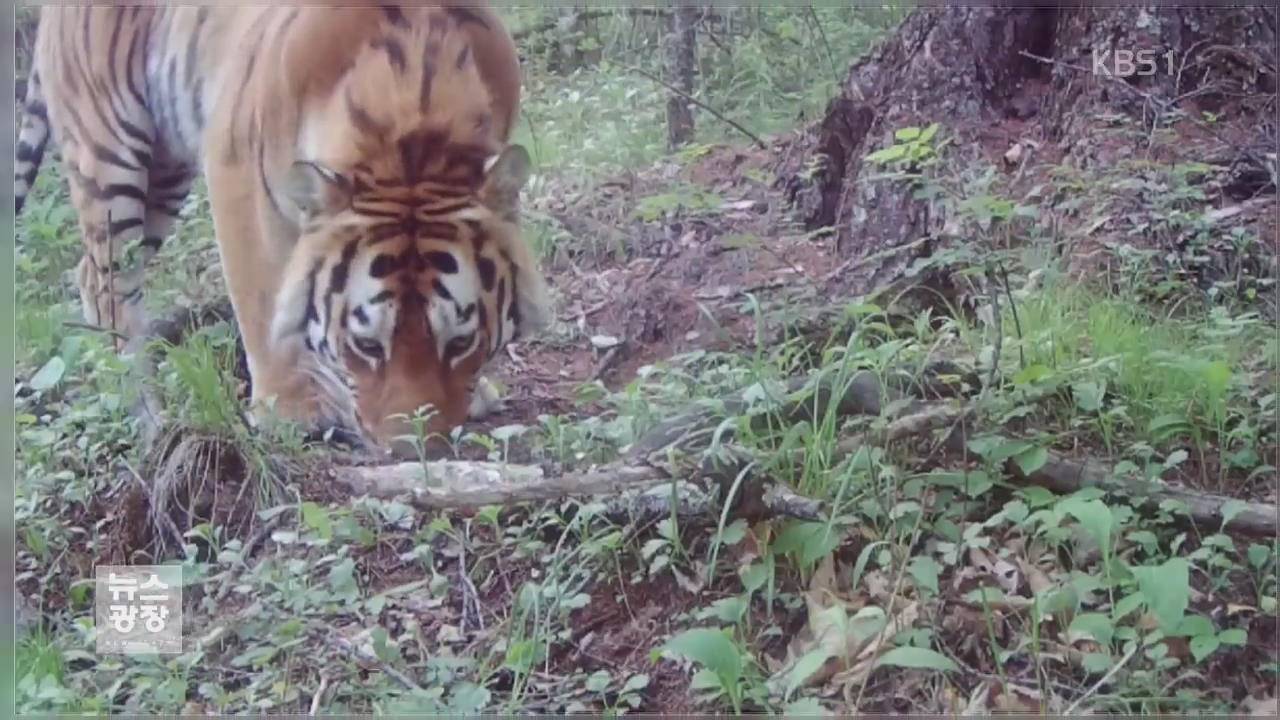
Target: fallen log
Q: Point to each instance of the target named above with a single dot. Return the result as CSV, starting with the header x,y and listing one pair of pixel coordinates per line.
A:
x,y
687,464
1067,476
631,492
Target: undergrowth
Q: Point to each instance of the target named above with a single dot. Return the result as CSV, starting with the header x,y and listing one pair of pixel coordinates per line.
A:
x,y
931,562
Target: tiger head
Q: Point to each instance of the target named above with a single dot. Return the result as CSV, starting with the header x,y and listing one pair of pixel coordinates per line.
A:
x,y
410,272
400,291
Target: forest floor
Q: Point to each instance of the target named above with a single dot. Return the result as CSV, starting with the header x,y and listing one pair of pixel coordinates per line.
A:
x,y
676,284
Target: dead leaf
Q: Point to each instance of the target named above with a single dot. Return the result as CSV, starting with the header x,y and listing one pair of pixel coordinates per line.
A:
x,y
837,627
824,576
1013,154
877,584
1264,707
872,649
979,701
1147,622
1037,580
449,634
1012,698
1008,575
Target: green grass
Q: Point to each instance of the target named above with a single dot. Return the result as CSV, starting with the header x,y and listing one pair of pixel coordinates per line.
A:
x,y
1104,368
1152,365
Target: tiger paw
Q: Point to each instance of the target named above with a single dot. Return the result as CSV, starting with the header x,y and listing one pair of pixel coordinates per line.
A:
x,y
485,400
299,403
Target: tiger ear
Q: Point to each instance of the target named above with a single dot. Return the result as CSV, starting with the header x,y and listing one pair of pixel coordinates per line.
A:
x,y
317,190
505,178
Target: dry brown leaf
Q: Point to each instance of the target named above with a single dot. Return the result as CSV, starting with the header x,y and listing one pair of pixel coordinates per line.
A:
x,y
863,663
747,550
1147,622
1261,707
877,585
692,583
832,627
966,579
1014,698
1013,154
1008,575
1037,580
981,559
1005,573
824,576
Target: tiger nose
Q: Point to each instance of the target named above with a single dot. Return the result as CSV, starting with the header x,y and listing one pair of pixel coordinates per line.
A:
x,y
408,439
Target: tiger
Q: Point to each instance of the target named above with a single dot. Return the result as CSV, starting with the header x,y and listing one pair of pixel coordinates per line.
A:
x,y
363,188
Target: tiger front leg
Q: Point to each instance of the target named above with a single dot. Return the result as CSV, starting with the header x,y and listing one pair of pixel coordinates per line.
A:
x,y
110,275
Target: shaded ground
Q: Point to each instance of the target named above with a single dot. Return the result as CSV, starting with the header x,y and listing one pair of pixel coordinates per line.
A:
x,y
682,287
658,263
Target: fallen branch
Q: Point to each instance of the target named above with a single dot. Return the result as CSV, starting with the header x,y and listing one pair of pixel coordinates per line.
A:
x,y
1067,476
365,655
686,465
632,492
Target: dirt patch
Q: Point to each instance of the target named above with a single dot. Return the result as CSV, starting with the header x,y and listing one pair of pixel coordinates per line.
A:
x,y
682,283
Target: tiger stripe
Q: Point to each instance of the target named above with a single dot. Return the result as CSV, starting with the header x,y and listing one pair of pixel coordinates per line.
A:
x,y
363,204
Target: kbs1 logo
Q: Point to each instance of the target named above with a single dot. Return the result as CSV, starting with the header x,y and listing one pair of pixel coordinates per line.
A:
x,y
1127,63
138,609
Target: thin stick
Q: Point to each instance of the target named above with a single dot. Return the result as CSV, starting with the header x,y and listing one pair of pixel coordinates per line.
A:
x,y
349,647
1013,308
607,362
755,138
319,696
999,328
874,257
1102,680
94,328
470,596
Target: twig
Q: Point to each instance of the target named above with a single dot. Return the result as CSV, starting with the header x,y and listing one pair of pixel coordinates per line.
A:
x,y
888,252
607,362
319,696
755,138
349,647
1102,680
470,596
1068,476
593,309
1013,308
998,322
658,265
719,294
95,328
